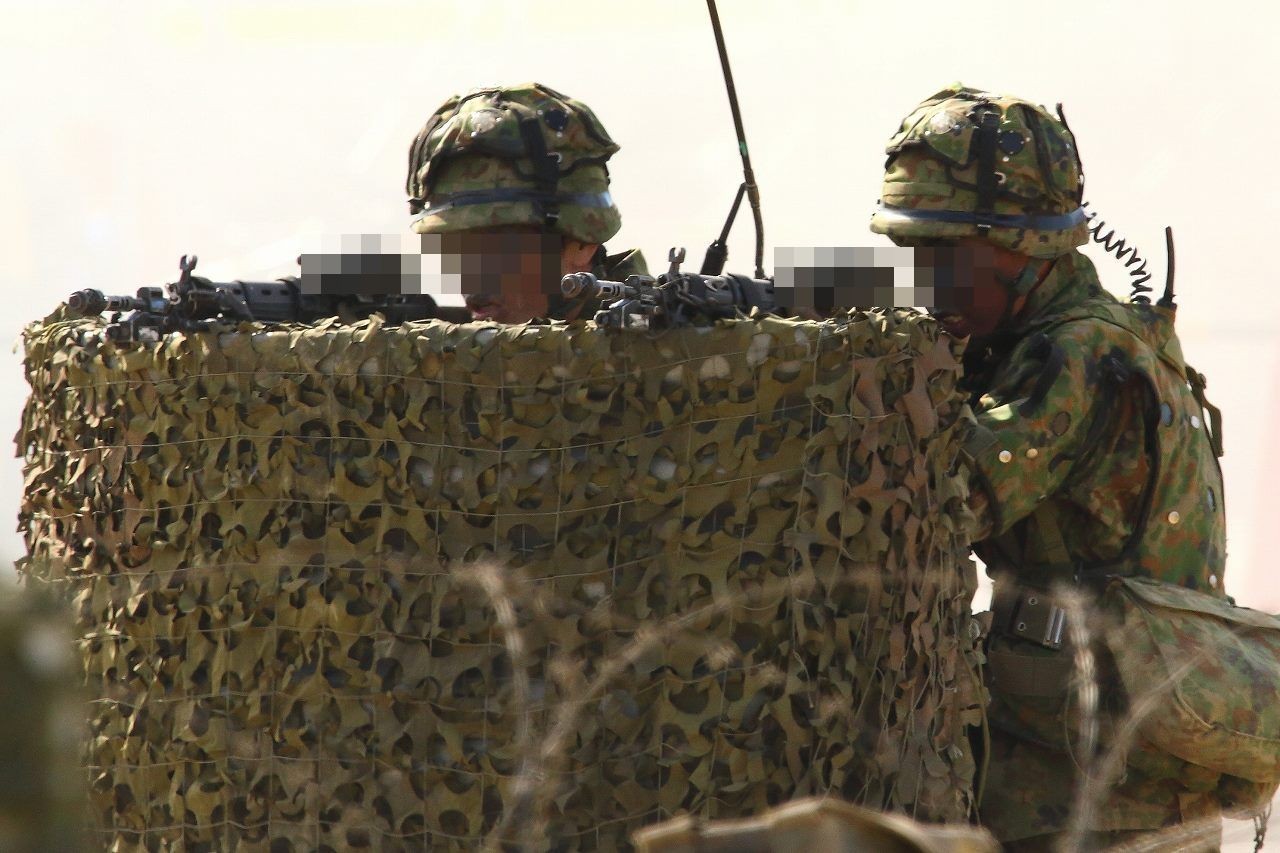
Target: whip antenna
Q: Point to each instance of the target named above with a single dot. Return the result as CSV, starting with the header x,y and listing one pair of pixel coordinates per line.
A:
x,y
749,177
1167,299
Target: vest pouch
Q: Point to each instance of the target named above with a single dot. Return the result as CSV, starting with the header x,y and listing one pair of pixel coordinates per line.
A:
x,y
1217,666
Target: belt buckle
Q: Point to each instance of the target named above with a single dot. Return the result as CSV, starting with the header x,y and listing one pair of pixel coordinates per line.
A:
x,y
1039,621
1057,623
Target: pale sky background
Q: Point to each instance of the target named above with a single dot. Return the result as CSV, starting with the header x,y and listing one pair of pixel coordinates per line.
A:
x,y
242,131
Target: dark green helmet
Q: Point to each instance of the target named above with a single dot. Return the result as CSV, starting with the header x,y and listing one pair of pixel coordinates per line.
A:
x,y
966,162
523,155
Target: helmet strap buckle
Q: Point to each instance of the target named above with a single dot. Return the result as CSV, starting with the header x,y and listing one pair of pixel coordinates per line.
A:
x,y
988,180
546,168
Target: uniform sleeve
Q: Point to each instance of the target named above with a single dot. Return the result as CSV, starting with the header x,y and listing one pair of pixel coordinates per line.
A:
x,y
618,267
1029,429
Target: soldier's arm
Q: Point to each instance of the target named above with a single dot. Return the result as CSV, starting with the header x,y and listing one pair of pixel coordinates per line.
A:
x,y
618,266
1026,434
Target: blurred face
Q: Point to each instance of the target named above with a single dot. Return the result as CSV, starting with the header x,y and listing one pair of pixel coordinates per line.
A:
x,y
507,274
972,281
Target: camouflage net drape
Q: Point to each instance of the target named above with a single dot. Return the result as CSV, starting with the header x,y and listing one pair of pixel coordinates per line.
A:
x,y
714,569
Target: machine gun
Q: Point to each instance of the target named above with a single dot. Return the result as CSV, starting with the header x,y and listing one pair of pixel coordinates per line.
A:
x,y
674,298
192,303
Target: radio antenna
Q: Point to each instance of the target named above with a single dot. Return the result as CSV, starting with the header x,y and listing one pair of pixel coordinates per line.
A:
x,y
749,177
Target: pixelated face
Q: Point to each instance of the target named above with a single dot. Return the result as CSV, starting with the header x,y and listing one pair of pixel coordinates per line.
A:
x,y
971,279
505,274
364,265
820,279
950,280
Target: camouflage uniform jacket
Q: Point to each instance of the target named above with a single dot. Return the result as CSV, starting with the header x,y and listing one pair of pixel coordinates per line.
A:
x,y
617,267
1091,456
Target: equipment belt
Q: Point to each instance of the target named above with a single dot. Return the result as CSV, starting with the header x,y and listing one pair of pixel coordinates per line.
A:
x,y
1030,615
1024,675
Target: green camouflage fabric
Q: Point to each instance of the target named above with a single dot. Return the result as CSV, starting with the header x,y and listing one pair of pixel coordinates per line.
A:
x,y
1224,713
618,266
1091,445
475,164
934,167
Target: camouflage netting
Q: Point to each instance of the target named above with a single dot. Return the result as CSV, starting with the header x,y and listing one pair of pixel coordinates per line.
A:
x,y
731,569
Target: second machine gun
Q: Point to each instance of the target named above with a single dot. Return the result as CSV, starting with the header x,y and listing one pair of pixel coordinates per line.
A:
x,y
192,302
674,298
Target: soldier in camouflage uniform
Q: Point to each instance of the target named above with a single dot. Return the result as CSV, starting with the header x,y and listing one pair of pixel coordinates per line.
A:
x,y
1090,450
497,168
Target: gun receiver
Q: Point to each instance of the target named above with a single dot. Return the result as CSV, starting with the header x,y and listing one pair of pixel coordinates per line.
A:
x,y
674,298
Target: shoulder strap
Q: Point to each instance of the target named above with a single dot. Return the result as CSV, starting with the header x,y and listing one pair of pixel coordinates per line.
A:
x,y
1167,354
1197,382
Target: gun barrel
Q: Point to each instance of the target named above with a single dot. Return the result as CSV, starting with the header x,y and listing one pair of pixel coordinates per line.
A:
x,y
86,302
89,301
575,284
585,284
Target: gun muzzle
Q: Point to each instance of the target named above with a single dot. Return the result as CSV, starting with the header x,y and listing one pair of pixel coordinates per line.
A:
x,y
585,284
87,302
575,284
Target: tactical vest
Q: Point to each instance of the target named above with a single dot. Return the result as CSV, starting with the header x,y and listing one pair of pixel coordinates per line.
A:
x,y
1153,430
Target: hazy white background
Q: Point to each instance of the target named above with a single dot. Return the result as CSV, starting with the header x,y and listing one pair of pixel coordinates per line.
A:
x,y
244,131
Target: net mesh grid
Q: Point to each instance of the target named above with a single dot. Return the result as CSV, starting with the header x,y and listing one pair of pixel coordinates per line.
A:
x,y
266,532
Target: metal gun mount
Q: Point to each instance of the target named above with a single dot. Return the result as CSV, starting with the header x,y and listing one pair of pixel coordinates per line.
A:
x,y
674,298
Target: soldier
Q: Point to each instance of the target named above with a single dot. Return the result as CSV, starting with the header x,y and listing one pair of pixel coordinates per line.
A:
x,y
1089,449
516,182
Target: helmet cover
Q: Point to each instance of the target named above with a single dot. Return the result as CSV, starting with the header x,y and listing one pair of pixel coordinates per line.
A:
x,y
521,155
969,163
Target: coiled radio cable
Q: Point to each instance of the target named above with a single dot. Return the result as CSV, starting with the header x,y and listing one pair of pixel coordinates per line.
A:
x,y
1118,246
1140,276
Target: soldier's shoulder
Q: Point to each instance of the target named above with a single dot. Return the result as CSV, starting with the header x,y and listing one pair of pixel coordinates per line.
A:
x,y
1095,323
619,265
1103,325
1069,338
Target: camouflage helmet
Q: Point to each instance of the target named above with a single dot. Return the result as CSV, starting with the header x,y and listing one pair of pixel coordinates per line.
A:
x,y
966,162
523,155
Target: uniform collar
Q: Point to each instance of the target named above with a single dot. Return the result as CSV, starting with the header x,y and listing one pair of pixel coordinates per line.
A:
x,y
1070,281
